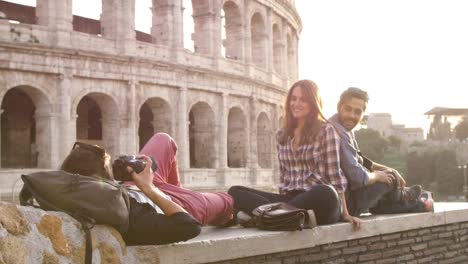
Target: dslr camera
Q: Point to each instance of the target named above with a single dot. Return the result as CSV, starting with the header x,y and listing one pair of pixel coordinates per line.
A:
x,y
119,166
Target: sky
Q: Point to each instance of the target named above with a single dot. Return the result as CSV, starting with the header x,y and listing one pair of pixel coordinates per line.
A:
x,y
410,55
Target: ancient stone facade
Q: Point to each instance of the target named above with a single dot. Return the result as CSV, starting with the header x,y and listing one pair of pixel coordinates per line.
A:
x,y
65,78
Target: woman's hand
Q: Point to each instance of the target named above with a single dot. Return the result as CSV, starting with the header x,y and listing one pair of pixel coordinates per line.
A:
x,y
353,220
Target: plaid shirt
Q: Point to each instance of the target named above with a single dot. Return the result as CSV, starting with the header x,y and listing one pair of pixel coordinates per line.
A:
x,y
312,164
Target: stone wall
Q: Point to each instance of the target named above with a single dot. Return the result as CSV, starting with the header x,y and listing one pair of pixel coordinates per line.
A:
x,y
29,235
440,244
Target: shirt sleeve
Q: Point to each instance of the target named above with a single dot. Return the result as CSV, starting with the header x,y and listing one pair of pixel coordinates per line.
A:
x,y
355,172
331,158
149,227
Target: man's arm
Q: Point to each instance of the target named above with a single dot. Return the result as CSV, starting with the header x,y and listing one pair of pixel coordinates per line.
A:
x,y
144,181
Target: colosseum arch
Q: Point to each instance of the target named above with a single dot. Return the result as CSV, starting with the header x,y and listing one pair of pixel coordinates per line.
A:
x,y
155,117
277,49
258,38
233,29
25,128
201,136
98,121
237,134
264,138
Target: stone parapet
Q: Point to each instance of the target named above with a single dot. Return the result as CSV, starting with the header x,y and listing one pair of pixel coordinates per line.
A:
x,y
38,236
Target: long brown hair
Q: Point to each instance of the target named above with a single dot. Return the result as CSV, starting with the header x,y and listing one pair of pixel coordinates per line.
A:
x,y
314,120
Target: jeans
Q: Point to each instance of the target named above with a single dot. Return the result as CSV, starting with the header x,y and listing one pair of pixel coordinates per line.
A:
x,y
379,198
323,199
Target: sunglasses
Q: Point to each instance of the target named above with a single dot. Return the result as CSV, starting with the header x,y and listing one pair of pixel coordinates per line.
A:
x,y
93,148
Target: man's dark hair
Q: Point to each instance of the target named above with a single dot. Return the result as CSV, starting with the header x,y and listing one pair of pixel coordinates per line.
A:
x,y
85,162
356,93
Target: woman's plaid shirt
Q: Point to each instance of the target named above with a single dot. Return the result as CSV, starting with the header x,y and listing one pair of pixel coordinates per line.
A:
x,y
312,164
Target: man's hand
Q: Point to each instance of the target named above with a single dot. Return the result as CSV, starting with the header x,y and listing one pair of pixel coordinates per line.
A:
x,y
144,179
401,183
353,220
384,177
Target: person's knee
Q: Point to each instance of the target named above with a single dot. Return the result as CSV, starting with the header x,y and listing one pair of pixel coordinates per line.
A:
x,y
162,137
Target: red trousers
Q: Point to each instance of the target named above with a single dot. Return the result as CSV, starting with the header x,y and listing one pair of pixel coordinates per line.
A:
x,y
208,208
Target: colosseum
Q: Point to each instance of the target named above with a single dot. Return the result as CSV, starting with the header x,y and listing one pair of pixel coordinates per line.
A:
x,y
67,78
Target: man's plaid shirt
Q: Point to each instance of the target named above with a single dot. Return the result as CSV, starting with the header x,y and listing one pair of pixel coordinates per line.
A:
x,y
312,164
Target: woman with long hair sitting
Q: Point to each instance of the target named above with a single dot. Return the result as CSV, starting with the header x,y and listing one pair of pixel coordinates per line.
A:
x,y
308,155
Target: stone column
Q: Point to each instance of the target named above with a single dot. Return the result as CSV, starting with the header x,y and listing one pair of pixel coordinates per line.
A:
x,y
114,134
167,25
223,177
57,16
118,23
66,131
252,161
284,56
45,141
207,36
129,141
296,57
223,131
275,164
182,130
247,44
269,41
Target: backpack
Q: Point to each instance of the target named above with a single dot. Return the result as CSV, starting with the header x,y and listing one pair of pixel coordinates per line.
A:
x,y
90,200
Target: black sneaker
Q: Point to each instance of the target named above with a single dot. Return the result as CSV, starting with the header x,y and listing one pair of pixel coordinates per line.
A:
x,y
412,193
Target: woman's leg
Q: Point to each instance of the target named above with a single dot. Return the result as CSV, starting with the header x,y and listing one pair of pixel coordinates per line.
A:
x,y
164,149
247,199
324,200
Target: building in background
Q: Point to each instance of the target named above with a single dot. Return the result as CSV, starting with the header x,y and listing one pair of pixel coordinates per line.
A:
x,y
66,78
382,122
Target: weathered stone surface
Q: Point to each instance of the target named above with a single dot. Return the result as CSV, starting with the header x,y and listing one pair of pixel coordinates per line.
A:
x,y
49,258
108,254
51,227
13,220
119,238
13,249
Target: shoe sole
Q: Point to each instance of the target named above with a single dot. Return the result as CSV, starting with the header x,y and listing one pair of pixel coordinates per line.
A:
x,y
311,219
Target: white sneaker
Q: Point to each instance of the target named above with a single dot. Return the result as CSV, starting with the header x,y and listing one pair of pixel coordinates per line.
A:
x,y
245,220
311,220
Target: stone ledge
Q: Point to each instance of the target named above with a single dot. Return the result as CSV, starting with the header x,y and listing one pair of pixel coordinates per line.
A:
x,y
218,244
29,235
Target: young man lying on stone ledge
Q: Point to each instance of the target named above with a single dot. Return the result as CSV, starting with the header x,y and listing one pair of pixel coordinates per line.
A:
x,y
153,219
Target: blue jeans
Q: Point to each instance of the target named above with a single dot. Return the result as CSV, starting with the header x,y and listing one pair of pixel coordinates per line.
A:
x,y
379,198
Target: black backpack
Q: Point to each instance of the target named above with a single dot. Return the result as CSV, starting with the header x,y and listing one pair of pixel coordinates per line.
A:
x,y
88,199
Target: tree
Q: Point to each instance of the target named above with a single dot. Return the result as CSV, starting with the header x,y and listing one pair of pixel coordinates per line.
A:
x,y
461,130
372,144
394,141
435,166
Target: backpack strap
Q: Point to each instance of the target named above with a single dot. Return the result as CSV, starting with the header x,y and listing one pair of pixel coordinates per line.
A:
x,y
26,196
